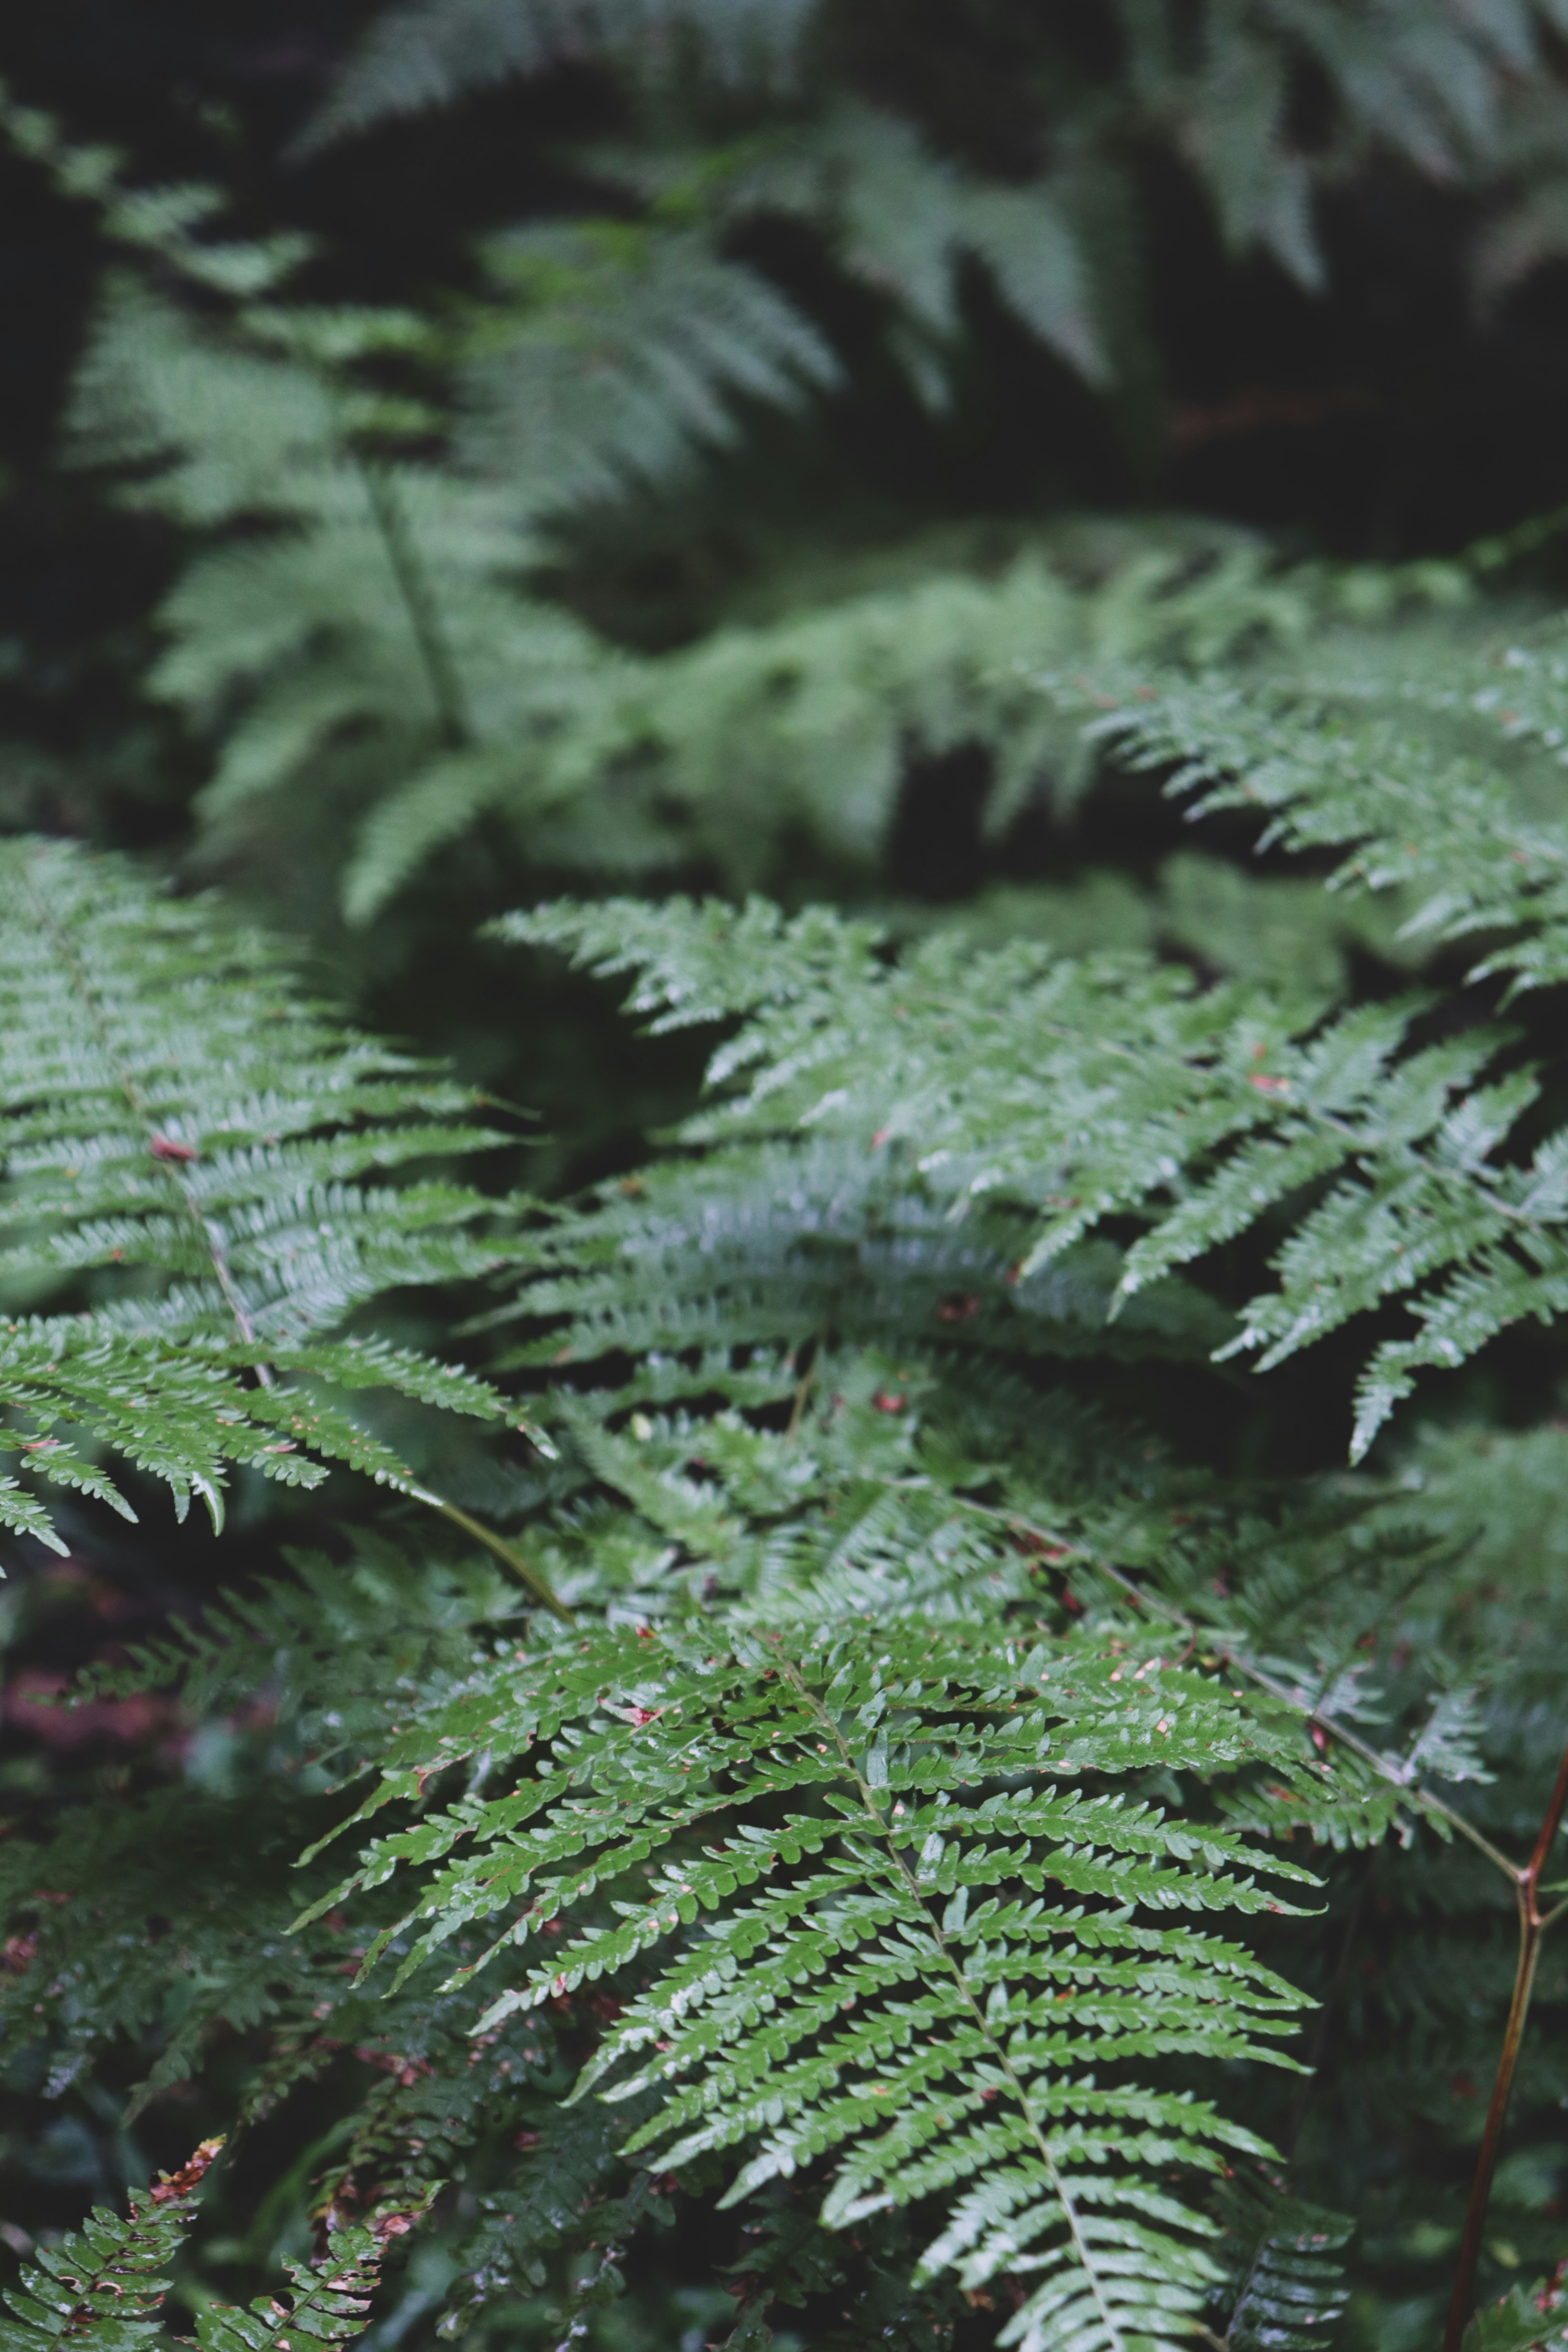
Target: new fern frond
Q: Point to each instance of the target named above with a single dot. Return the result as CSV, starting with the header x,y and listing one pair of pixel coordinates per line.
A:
x,y
186,1150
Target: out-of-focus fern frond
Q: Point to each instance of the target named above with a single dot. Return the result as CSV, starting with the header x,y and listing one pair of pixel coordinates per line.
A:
x,y
806,727
1454,91
1284,2289
425,53
628,353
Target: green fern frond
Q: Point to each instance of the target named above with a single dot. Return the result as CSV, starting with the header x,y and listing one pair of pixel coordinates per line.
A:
x,y
101,2286
618,354
330,2300
164,224
425,53
902,218
188,1141
1110,1087
1449,830
1284,2289
920,1996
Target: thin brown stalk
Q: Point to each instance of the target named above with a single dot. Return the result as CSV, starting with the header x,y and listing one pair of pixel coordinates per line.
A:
x,y
1533,1925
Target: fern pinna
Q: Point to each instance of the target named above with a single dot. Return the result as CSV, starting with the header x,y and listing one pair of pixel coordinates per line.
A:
x,y
185,1142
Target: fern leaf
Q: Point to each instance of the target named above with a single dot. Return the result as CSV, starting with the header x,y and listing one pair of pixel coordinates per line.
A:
x,y
427,53
925,1995
627,355
189,1138
1284,2289
330,2298
101,2286
1080,1090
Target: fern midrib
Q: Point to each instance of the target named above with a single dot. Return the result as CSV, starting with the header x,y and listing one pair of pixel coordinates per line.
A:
x,y
423,613
824,1717
65,948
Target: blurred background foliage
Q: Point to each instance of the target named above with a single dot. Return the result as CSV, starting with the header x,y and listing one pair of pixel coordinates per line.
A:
x,y
462,450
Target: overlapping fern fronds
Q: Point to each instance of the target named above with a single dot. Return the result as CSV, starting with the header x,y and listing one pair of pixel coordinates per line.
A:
x,y
187,1222
1083,1090
357,649
1450,91
99,2286
761,735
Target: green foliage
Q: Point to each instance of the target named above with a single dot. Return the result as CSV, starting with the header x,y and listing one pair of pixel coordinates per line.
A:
x,y
1516,2323
913,1912
330,2300
65,2297
846,1857
1437,84
367,635
187,1227
371,672
809,1912
1077,1092
1283,2290
59,2300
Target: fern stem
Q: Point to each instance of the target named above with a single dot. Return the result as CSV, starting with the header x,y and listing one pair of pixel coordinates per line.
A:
x,y
503,1551
803,1394
793,1675
222,1272
424,615
1533,1925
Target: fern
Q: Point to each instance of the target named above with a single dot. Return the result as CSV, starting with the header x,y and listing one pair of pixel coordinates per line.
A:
x,y
1451,829
328,2302
1284,2292
355,646
1448,91
424,53
188,1141
58,2300
1084,1091
629,349
849,1773
759,736
65,2297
